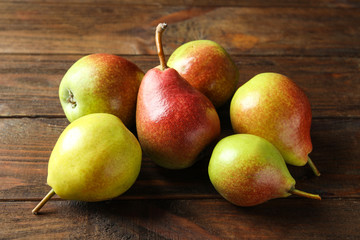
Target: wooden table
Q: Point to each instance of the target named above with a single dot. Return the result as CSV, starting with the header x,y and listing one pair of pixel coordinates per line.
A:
x,y
316,43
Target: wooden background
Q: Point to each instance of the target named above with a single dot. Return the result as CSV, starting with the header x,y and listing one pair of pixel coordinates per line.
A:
x,y
316,43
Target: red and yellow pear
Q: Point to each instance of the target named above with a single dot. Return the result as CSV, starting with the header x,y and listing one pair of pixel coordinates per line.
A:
x,y
272,106
208,67
248,170
101,83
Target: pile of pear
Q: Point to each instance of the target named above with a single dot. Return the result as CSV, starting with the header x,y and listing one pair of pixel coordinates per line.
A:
x,y
174,109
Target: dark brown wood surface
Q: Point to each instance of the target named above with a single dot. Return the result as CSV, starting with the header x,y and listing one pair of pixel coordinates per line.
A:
x,y
316,43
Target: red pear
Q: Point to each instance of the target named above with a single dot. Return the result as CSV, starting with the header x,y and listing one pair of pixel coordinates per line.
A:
x,y
174,121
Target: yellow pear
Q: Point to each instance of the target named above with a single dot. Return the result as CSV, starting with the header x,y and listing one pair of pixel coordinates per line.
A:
x,y
95,158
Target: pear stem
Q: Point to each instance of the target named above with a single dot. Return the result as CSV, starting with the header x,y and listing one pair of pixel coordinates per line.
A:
x,y
43,201
313,167
305,194
158,40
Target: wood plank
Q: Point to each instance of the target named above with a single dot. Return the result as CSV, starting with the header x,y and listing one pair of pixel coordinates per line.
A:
x,y
183,219
29,83
84,28
254,3
26,144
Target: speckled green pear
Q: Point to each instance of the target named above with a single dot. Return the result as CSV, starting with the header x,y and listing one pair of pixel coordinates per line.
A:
x,y
95,158
248,170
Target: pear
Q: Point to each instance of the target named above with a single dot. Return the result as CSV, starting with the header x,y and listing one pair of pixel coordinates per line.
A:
x,y
208,67
248,170
174,121
101,83
95,158
272,106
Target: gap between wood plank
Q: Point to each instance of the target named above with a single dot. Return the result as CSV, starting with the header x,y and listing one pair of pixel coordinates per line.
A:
x,y
64,117
174,197
217,5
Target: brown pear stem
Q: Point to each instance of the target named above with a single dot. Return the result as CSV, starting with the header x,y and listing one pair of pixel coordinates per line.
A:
x,y
158,40
43,201
305,194
313,167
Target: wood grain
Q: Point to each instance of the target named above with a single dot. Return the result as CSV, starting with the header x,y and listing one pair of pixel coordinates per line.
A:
x,y
254,3
29,83
86,28
26,145
183,219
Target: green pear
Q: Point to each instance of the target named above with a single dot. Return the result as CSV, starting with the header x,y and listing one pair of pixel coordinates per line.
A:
x,y
208,67
95,158
248,170
101,83
272,106
174,121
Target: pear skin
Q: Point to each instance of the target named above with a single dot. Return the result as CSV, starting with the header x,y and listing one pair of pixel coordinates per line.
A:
x,y
208,67
272,106
248,170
